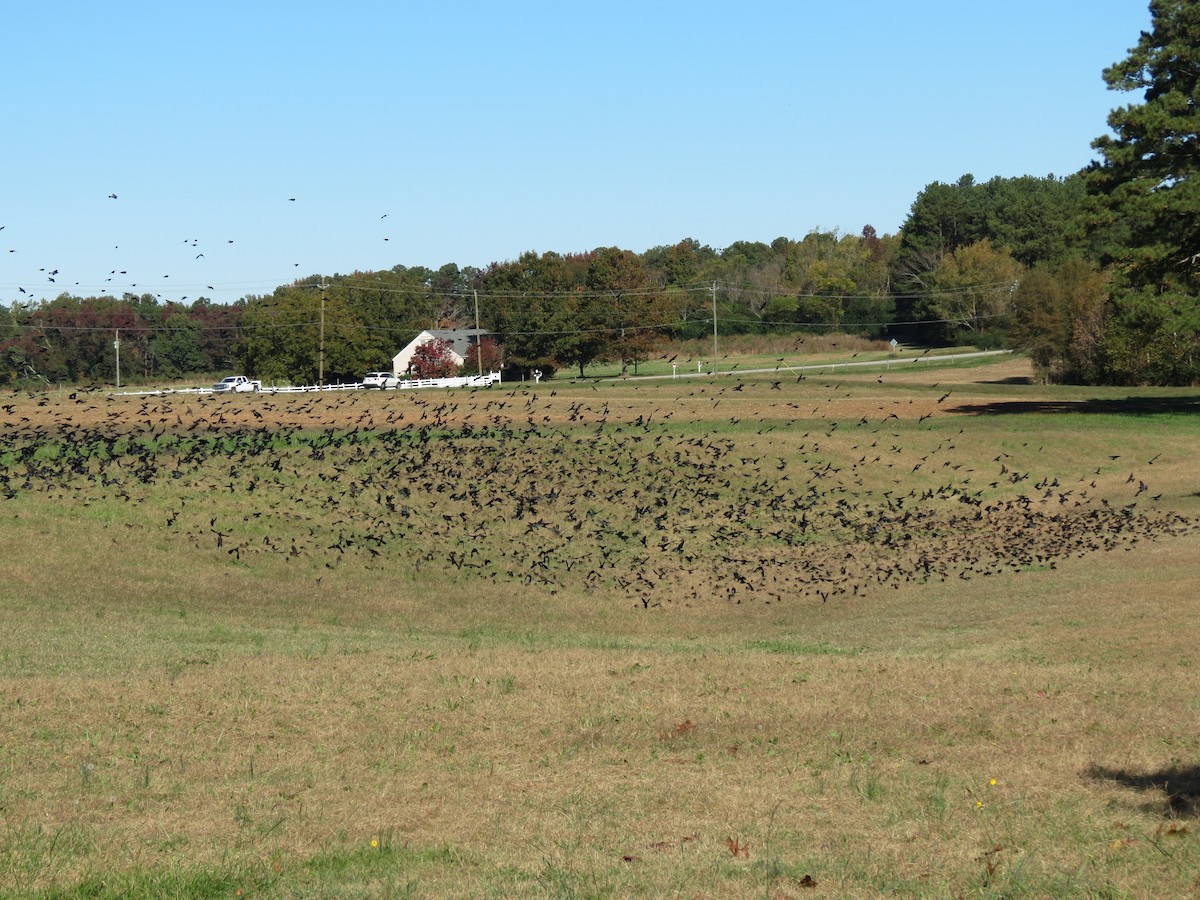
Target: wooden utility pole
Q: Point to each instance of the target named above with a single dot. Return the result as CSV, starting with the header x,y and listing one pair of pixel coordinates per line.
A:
x,y
714,299
478,338
321,342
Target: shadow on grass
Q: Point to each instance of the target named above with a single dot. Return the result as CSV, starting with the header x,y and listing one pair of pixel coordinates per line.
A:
x,y
1015,379
1133,406
1179,788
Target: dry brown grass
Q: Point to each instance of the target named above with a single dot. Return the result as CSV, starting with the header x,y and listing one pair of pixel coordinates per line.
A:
x,y
166,706
860,760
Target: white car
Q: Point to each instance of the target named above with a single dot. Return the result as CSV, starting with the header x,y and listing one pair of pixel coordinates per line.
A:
x,y
380,380
236,384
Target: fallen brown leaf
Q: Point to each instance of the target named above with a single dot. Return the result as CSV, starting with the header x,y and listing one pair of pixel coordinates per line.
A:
x,y
737,848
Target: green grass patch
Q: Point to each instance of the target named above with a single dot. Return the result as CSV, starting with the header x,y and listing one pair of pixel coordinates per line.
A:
x,y
797,648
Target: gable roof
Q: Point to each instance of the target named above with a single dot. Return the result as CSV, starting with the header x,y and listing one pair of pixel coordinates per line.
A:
x,y
460,339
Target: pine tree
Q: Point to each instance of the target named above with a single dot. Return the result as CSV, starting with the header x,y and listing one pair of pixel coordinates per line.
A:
x,y
1148,193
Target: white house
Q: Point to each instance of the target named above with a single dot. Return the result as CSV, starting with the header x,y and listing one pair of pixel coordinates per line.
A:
x,y
462,346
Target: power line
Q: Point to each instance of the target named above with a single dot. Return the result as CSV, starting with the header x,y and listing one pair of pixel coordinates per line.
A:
x,y
465,294
615,314
611,329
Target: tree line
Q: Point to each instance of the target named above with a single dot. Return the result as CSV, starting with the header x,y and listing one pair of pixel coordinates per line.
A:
x,y
1095,274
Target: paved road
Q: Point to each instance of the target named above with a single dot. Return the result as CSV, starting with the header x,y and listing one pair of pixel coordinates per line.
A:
x,y
829,368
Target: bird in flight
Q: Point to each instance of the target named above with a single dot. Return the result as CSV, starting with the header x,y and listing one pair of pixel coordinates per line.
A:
x,y
112,196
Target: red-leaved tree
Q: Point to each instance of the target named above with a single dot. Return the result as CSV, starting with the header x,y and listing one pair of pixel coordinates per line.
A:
x,y
488,352
433,359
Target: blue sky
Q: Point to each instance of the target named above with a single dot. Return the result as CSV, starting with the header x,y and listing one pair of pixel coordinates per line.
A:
x,y
469,132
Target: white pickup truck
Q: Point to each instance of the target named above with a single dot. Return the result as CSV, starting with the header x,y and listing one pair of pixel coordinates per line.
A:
x,y
236,384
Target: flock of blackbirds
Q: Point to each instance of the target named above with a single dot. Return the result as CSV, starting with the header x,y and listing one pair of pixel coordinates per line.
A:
x,y
520,488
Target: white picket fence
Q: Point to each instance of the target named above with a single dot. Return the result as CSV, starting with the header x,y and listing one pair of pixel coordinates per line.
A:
x,y
461,381
409,384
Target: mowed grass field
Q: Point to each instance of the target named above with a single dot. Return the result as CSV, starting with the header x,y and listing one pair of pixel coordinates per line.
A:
x,y
930,633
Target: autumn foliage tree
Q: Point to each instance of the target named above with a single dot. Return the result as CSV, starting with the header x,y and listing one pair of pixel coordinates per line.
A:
x,y
485,356
973,289
1059,317
433,359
